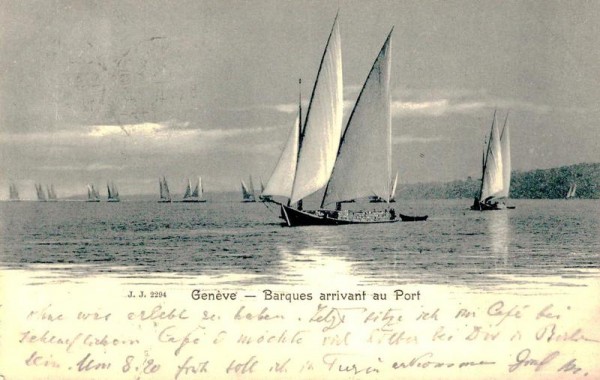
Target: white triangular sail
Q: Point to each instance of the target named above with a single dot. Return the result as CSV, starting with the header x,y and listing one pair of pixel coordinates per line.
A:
x,y
571,192
92,193
282,179
493,182
51,193
113,193
363,165
165,195
247,192
188,189
197,193
323,126
41,196
393,191
506,165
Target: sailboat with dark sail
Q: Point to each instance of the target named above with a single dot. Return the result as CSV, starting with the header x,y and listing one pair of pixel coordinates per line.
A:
x,y
165,195
13,193
113,192
92,194
248,191
354,166
194,196
496,169
51,193
41,196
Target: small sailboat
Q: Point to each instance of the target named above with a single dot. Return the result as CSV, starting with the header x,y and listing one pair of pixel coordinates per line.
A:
x,y
113,192
262,197
571,192
496,169
51,193
165,195
195,195
13,193
248,191
376,199
92,194
41,196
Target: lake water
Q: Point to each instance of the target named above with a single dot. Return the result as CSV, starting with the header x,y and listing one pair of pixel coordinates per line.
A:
x,y
244,244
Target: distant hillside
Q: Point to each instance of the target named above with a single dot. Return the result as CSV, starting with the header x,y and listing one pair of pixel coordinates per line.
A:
x,y
537,184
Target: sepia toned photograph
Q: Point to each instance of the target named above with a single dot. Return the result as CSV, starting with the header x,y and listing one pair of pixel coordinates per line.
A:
x,y
299,190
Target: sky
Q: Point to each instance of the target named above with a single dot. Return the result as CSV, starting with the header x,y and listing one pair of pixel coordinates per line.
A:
x,y
128,91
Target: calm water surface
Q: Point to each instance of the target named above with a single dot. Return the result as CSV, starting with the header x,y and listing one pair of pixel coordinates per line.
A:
x,y
540,238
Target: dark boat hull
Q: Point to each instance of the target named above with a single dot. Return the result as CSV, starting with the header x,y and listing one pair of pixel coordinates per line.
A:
x,y
482,206
408,218
294,217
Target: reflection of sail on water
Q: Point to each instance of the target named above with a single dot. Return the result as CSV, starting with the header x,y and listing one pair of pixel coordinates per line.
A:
x,y
498,230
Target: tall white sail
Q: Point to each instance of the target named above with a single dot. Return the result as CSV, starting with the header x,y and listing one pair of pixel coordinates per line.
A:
x,y
282,179
493,181
40,193
165,195
506,166
198,189
394,184
364,162
323,126
248,192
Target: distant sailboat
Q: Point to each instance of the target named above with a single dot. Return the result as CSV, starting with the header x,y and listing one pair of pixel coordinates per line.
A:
x,y
41,196
194,195
248,191
51,193
571,192
376,199
13,193
165,195
495,182
262,197
113,192
92,193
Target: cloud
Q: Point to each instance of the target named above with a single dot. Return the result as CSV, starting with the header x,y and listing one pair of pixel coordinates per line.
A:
x,y
91,167
407,139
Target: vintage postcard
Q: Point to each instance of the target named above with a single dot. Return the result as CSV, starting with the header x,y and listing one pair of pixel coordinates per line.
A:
x,y
299,190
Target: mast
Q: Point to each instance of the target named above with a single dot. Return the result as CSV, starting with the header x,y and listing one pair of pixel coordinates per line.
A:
x,y
300,135
486,156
